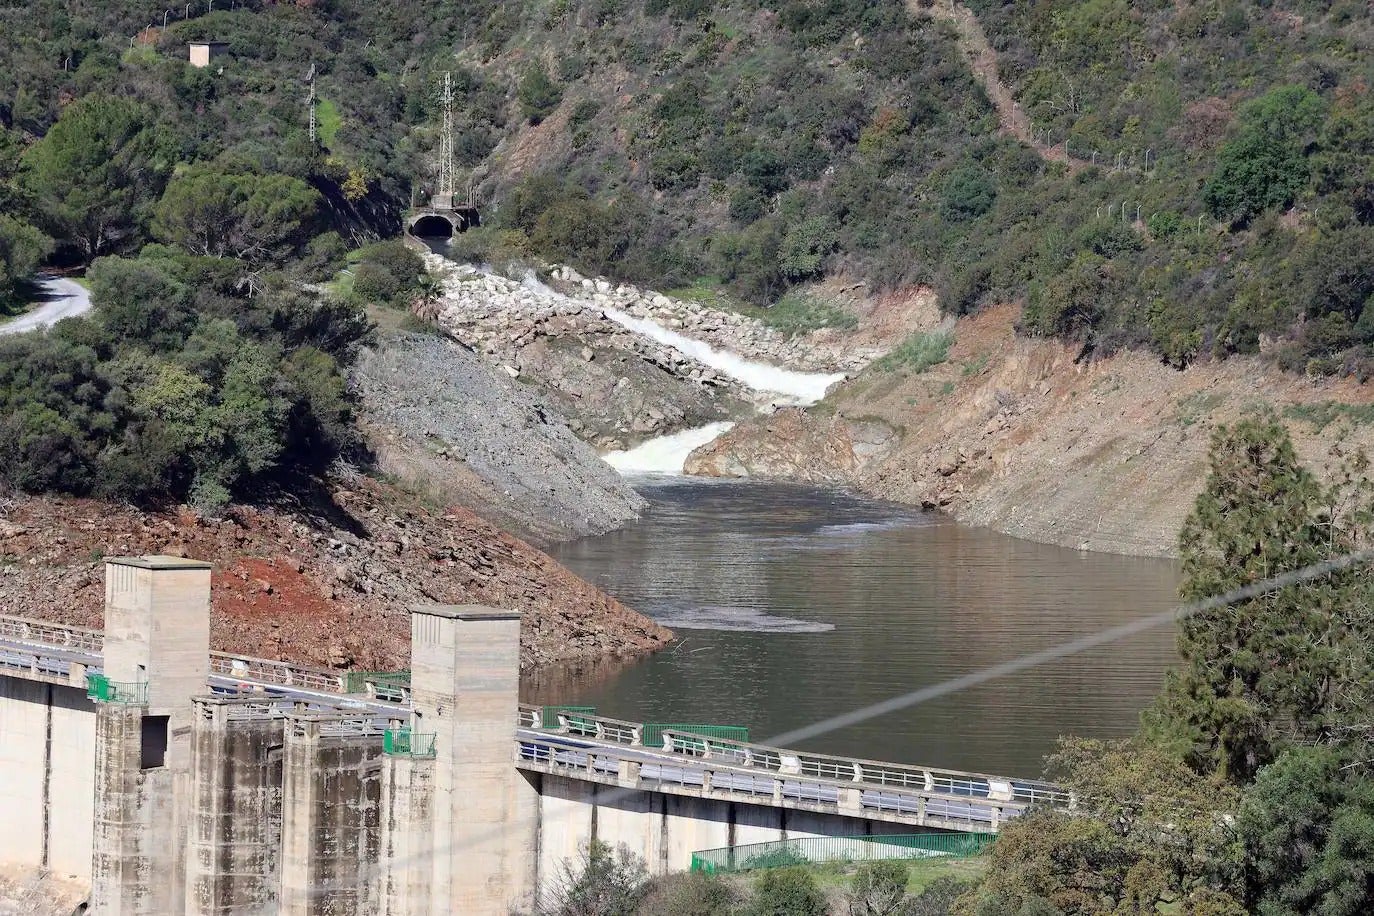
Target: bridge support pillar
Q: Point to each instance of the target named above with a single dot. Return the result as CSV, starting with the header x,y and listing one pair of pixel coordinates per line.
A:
x,y
407,846
156,658
331,802
465,680
233,863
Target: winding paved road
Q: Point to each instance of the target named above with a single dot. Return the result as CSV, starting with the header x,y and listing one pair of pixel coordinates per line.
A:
x,y
60,298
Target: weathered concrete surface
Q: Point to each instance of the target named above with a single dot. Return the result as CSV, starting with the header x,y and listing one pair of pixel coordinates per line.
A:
x,y
157,632
47,766
407,851
465,688
331,806
233,860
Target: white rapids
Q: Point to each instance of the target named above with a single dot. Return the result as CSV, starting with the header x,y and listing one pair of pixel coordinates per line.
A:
x,y
665,454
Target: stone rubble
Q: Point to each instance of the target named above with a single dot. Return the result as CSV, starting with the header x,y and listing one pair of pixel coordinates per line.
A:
x,y
522,328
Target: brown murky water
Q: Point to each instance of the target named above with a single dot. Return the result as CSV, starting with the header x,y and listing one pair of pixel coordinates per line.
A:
x,y
794,604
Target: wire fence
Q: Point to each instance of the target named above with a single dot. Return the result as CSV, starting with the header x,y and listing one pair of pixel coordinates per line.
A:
x,y
813,850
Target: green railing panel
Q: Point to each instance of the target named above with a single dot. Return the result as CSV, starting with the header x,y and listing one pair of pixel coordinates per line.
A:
x,y
653,732
357,681
550,714
808,850
402,742
127,693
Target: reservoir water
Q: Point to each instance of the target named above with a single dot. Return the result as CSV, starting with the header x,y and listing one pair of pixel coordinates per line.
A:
x,y
793,604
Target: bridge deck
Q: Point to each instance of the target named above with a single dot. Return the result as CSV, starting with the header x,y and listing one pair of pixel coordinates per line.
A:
x,y
597,749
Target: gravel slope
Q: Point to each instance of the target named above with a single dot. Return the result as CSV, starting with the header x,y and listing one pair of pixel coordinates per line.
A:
x,y
442,419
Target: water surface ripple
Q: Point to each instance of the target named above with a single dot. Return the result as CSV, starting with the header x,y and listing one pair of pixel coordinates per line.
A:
x,y
793,604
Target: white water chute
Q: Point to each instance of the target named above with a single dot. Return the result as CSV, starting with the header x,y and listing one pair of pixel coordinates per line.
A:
x,y
665,454
801,388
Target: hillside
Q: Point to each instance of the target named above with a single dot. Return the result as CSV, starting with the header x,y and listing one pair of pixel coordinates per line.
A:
x,y
1021,436
327,582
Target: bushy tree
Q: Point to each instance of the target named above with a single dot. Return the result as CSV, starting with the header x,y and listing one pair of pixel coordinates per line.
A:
x,y
1262,671
22,248
786,892
602,881
1146,832
878,889
257,218
1308,828
1265,165
539,96
97,172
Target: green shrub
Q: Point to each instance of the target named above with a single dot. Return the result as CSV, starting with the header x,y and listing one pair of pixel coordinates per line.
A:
x,y
538,94
796,313
387,272
786,892
918,352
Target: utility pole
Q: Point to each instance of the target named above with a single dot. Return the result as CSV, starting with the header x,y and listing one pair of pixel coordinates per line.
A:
x,y
445,190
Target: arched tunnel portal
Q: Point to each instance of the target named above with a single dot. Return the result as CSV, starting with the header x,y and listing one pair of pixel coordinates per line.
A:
x,y
443,224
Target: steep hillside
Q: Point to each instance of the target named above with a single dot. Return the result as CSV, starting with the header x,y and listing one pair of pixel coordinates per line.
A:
x,y
1022,436
327,583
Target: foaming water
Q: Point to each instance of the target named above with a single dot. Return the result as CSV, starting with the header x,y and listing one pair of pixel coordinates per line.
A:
x,y
795,604
801,388
736,619
665,454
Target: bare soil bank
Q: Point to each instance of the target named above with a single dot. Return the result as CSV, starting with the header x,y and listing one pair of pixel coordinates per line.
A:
x,y
1017,435
328,584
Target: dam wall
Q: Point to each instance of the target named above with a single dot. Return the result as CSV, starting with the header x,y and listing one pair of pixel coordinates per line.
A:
x,y
173,780
47,776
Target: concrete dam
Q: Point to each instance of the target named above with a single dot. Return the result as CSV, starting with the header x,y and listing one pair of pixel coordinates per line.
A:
x,y
172,779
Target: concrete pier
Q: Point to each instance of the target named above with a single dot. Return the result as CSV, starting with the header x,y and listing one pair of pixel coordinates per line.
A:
x,y
465,683
157,656
331,802
233,863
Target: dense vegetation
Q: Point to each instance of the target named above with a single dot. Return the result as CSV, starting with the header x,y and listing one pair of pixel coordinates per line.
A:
x,y
762,147
1248,789
614,882
211,369
734,145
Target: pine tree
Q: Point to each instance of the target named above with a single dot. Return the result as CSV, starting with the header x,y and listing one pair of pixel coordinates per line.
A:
x,y
1259,673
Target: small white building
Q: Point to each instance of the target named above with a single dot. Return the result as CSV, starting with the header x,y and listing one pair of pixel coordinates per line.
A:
x,y
202,52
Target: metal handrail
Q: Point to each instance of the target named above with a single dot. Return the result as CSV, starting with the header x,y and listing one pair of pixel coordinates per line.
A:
x,y
276,672
976,812
52,634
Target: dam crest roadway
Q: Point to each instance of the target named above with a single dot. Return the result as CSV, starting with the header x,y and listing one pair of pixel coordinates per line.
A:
x,y
134,753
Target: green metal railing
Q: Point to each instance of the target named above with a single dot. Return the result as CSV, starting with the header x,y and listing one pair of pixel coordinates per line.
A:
x,y
549,714
127,693
653,732
809,850
357,681
402,742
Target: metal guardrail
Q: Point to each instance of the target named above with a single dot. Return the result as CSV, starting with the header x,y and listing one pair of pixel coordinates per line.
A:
x,y
402,742
841,849
615,766
51,634
922,779
654,732
125,693
273,672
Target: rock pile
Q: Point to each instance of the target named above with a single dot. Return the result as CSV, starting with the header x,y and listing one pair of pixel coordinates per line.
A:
x,y
328,584
748,337
614,387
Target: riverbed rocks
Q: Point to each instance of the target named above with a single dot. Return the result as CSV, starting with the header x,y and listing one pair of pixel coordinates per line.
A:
x,y
615,387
